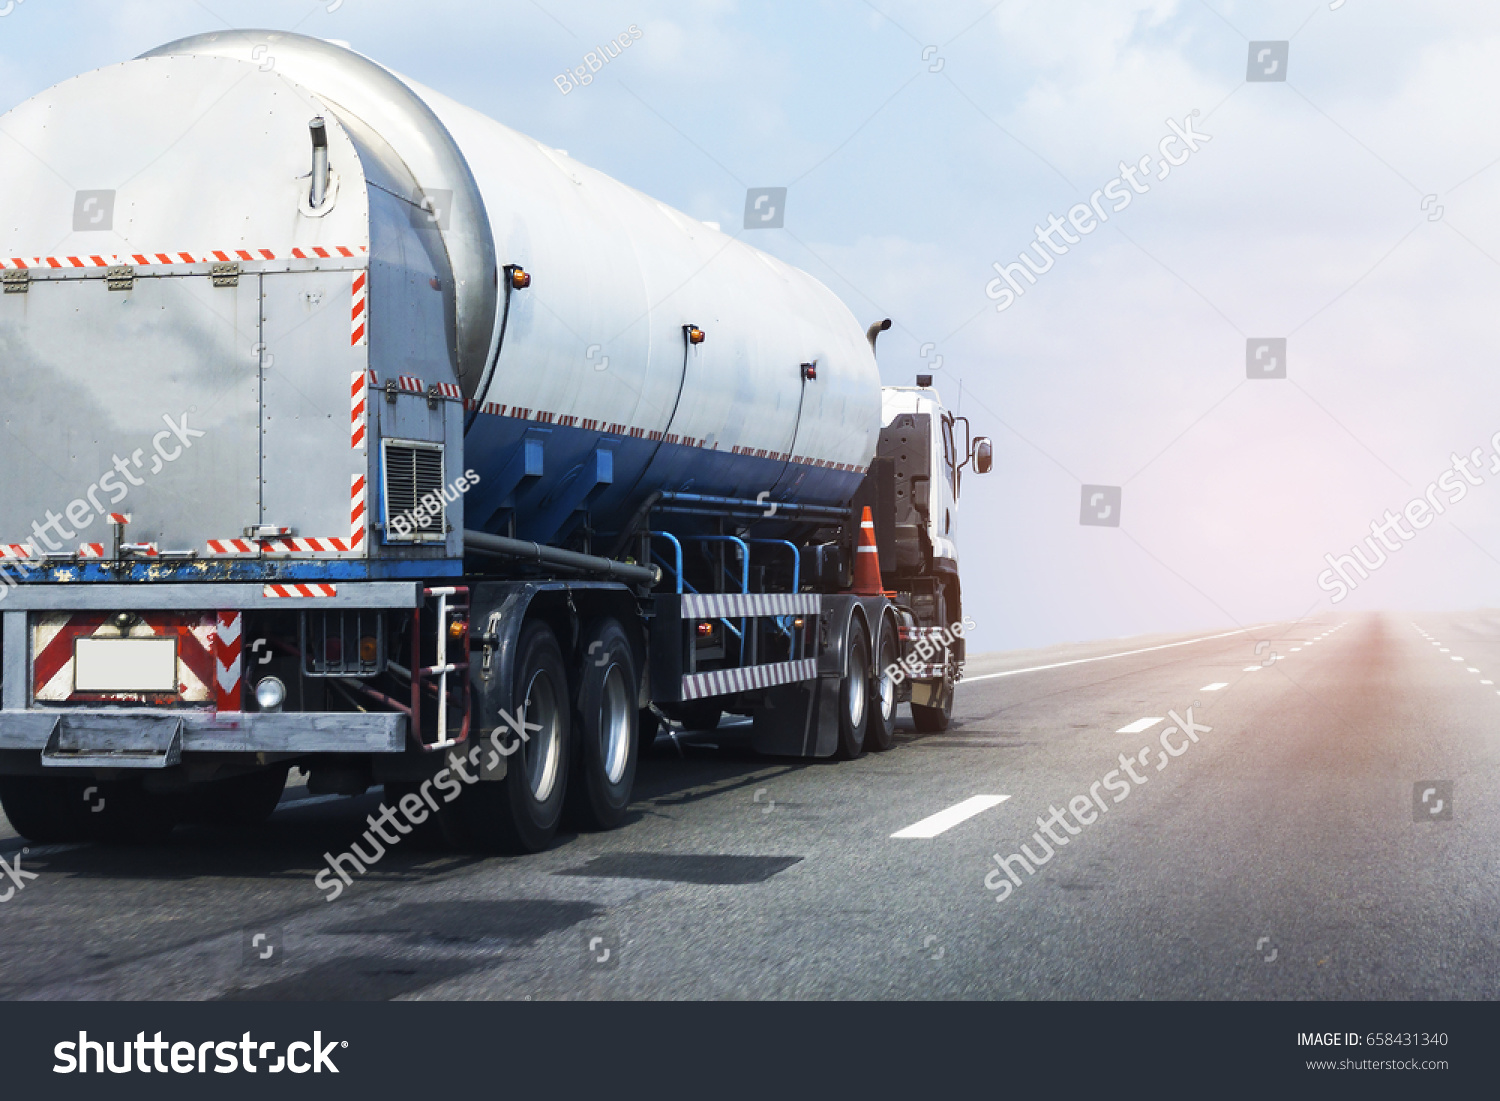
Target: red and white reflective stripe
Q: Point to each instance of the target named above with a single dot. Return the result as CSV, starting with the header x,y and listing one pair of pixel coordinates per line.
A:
x,y
52,663
118,518
300,590
923,672
414,385
15,550
357,410
232,547
356,510
149,550
318,253
491,407
91,550
292,546
228,645
357,316
155,259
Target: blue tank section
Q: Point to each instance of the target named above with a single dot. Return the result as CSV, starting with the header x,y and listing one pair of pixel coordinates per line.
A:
x,y
545,478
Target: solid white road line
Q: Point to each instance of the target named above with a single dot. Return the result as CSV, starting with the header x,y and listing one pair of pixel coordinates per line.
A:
x,y
1107,657
1140,724
1251,669
947,819
1215,686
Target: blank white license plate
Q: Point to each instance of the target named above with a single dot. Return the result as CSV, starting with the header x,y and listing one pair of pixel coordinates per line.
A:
x,y
125,665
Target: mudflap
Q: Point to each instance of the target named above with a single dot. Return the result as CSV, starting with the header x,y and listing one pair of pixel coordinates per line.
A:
x,y
932,693
802,719
798,720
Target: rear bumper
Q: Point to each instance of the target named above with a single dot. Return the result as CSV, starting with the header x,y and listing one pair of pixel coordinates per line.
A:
x,y
163,597
297,732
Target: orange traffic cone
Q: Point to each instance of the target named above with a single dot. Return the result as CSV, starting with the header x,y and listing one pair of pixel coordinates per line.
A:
x,y
867,559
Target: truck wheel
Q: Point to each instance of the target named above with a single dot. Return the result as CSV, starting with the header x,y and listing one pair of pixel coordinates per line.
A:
x,y
933,720
131,815
48,809
520,813
606,748
880,735
854,698
241,800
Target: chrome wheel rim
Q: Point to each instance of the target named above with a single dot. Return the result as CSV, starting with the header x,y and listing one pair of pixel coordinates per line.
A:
x,y
887,692
858,690
544,749
614,724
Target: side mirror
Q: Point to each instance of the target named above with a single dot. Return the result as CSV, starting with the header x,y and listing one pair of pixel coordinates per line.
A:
x,y
982,455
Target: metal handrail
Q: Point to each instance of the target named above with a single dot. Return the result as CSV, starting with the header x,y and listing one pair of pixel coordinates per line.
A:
x,y
677,544
796,558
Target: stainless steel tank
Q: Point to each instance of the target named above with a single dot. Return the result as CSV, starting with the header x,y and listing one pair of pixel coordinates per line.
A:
x,y
579,395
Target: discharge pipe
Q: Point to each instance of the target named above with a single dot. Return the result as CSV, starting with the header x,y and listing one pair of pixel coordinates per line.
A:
x,y
505,547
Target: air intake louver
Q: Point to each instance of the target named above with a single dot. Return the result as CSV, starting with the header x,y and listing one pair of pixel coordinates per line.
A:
x,y
413,471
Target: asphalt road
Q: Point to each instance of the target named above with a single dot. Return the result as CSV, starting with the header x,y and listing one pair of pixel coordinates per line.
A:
x,y
1284,854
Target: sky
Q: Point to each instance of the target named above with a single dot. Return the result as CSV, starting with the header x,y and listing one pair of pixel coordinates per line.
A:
x,y
1337,203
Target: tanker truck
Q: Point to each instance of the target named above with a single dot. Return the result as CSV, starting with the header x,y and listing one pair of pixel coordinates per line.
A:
x,y
350,430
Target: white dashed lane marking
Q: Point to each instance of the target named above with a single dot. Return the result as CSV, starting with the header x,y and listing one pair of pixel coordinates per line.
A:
x,y
1140,724
947,819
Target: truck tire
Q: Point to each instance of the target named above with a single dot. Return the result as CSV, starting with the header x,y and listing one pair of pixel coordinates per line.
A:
x,y
131,815
606,748
880,735
932,720
239,801
520,813
48,809
854,697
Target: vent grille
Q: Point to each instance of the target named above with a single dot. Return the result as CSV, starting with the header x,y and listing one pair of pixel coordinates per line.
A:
x,y
413,472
